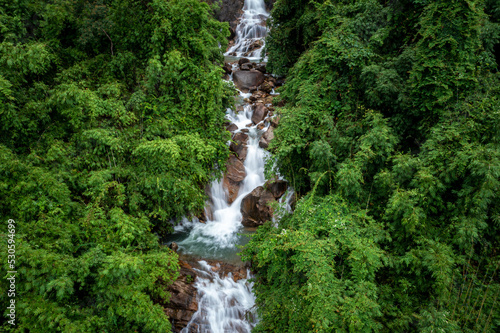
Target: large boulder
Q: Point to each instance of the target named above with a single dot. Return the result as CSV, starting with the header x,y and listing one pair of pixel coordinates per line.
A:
x,y
246,66
255,207
232,187
246,79
235,169
239,145
277,187
266,138
243,61
259,113
183,303
235,173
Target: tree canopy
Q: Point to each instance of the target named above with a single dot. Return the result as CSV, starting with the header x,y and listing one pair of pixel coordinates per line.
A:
x,y
390,135
111,116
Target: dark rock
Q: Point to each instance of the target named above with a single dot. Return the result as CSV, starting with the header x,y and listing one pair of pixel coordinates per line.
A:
x,y
227,68
243,61
259,113
261,68
276,187
280,81
174,246
246,79
232,127
228,11
266,138
252,89
245,130
261,126
255,209
235,169
183,303
246,66
235,173
239,145
232,33
267,86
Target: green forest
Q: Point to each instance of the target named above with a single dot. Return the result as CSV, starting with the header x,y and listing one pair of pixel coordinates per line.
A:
x,y
112,123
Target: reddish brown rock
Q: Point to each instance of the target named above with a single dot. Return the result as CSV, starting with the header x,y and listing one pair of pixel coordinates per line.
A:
x,y
239,145
233,188
259,113
234,176
266,138
183,303
277,187
235,169
243,61
232,127
255,208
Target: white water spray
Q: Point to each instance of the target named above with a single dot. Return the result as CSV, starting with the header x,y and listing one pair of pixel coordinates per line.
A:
x,y
226,305
251,31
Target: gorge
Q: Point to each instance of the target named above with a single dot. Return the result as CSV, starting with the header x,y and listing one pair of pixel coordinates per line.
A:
x,y
239,202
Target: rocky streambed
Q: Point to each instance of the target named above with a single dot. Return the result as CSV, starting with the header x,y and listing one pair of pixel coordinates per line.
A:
x,y
212,293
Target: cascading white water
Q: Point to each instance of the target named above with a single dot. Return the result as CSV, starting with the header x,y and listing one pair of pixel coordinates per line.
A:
x,y
251,31
215,237
227,306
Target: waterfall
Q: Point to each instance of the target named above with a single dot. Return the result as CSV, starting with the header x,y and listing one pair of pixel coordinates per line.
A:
x,y
225,305
251,31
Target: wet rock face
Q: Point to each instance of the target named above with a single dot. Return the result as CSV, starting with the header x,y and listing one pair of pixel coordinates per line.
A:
x,y
239,145
266,138
235,169
255,209
234,176
183,303
259,113
246,79
255,206
229,11
277,187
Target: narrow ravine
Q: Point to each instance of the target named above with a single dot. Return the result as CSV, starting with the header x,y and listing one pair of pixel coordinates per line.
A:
x,y
225,299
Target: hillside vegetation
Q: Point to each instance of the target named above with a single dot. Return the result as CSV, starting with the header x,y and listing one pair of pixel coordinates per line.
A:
x,y
390,135
111,117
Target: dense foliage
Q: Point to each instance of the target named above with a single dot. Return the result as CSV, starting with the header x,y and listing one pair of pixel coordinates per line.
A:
x,y
111,117
390,133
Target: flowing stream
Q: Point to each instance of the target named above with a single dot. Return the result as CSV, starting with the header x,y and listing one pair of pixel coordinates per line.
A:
x,y
251,31
226,305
